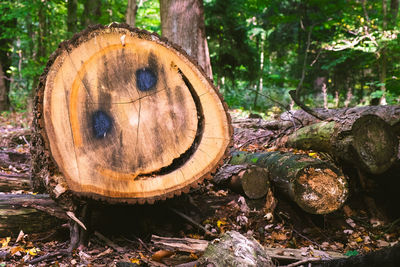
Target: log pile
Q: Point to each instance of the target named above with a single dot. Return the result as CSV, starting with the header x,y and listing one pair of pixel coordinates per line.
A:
x,y
363,141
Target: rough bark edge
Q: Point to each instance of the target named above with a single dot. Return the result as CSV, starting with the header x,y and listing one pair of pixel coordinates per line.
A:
x,y
43,164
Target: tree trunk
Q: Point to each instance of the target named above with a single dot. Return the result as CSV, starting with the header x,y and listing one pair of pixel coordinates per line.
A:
x,y
182,22
42,32
368,141
131,13
29,213
91,13
123,116
316,186
72,18
4,102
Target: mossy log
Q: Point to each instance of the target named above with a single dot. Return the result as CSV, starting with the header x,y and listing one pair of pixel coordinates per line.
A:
x,y
29,213
123,116
316,186
390,114
367,141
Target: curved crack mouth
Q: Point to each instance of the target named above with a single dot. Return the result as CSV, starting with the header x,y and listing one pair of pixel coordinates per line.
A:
x,y
185,156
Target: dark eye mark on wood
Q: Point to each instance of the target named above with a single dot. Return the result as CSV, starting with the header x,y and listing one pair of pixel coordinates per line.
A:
x,y
101,124
146,79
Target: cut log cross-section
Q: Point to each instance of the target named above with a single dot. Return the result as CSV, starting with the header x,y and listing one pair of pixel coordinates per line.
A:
x,y
128,117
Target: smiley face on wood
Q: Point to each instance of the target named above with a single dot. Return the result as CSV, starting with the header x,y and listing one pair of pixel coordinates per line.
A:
x,y
131,120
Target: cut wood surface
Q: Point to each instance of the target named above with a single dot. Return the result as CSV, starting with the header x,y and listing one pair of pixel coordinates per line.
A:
x,y
249,179
316,186
367,141
29,213
127,117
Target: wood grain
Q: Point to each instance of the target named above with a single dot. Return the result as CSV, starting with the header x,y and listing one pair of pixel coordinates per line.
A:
x,y
129,117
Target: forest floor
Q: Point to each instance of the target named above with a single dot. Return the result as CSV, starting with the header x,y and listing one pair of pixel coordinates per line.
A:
x,y
127,230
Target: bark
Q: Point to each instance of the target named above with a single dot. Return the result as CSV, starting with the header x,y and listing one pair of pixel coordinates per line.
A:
x,y
260,82
394,10
390,114
277,254
29,213
131,12
234,249
182,22
91,13
367,142
316,186
249,179
72,18
42,32
9,182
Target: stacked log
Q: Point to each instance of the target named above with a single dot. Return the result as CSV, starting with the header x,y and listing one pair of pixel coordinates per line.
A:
x,y
316,186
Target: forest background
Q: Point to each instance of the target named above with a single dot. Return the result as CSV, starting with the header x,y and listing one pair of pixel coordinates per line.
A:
x,y
339,53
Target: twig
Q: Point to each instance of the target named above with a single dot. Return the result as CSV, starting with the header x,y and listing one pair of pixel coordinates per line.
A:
x,y
254,138
108,242
306,238
138,241
48,256
192,221
297,263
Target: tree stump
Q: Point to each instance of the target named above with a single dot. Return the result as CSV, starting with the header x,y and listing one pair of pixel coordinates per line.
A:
x,y
124,116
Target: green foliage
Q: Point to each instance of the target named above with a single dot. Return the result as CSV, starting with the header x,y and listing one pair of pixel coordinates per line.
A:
x,y
148,16
353,50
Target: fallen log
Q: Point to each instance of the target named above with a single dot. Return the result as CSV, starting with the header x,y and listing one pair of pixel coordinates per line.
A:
x,y
280,254
390,114
249,179
30,213
316,186
367,141
14,182
122,115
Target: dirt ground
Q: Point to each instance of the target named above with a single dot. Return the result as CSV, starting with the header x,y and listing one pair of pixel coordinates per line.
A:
x,y
122,234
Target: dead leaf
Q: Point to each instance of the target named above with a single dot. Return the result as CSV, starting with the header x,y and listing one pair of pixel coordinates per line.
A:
x,y
16,249
4,242
279,236
159,255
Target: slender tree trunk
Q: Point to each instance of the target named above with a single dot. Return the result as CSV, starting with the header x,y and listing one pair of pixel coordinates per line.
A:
x,y
260,84
131,12
4,102
91,13
42,30
182,22
383,59
72,16
394,10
